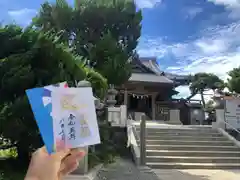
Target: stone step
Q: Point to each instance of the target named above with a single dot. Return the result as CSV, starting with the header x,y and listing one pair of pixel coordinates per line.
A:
x,y
183,133
196,138
192,147
201,130
168,126
76,177
195,153
188,142
193,165
187,159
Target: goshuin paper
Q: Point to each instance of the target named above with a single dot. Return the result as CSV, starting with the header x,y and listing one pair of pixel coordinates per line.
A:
x,y
41,104
75,121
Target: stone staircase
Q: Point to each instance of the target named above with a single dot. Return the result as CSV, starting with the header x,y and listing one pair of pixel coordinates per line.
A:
x,y
179,147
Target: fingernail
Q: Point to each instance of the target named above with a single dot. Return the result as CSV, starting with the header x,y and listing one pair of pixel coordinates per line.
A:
x,y
81,154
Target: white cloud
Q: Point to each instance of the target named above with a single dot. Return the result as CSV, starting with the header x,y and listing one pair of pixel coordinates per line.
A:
x,y
184,92
149,46
228,3
216,51
191,12
212,46
22,16
147,3
231,5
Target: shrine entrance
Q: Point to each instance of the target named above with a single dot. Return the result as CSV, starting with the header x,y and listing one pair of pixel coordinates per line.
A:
x,y
142,104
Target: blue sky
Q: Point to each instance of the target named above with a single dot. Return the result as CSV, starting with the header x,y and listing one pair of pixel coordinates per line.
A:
x,y
187,36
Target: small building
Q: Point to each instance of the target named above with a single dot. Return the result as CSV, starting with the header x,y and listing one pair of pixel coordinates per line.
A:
x,y
149,91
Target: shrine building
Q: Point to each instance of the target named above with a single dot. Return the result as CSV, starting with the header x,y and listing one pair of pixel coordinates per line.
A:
x,y
149,91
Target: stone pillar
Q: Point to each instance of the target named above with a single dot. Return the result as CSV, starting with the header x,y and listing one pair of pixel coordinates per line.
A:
x,y
125,97
153,107
143,141
83,164
220,119
219,110
174,117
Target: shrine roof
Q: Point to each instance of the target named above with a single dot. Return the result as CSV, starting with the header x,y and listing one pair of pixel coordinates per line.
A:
x,y
144,77
150,65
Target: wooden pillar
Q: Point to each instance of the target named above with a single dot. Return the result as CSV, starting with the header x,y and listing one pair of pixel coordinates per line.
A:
x,y
153,107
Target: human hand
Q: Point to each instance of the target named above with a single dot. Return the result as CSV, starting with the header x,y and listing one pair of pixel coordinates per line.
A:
x,y
55,166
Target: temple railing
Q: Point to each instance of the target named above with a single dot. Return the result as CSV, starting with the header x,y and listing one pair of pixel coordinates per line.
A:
x,y
232,128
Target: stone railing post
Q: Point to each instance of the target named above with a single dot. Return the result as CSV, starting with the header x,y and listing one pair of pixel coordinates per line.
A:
x,y
219,112
143,141
83,164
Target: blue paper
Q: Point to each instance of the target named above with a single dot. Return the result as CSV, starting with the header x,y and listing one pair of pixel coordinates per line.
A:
x,y
42,116
41,103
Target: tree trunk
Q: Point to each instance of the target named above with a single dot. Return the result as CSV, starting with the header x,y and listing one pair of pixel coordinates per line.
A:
x,y
202,98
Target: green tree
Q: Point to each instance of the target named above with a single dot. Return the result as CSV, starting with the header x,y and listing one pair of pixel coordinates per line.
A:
x,y
29,59
201,82
112,61
105,32
233,82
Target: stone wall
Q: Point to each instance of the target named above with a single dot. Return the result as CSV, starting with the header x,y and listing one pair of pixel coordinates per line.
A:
x,y
174,117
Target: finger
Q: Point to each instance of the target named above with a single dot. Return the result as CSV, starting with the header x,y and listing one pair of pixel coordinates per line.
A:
x,y
70,168
76,151
72,158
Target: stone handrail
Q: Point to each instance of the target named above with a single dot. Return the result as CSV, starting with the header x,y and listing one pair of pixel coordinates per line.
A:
x,y
132,141
230,137
135,133
232,127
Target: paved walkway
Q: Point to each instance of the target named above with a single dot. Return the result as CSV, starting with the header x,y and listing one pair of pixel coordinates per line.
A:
x,y
198,174
124,170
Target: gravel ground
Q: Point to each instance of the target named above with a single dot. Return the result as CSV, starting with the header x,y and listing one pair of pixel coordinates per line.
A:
x,y
124,170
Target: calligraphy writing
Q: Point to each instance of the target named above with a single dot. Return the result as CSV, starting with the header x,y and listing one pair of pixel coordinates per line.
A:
x,y
62,133
71,123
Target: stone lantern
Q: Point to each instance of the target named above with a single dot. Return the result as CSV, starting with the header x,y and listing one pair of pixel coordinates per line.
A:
x,y
218,105
218,102
98,104
111,94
